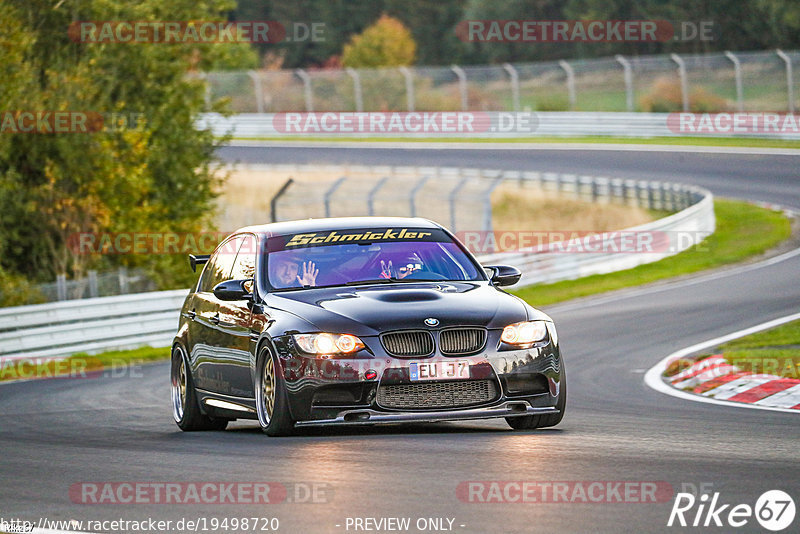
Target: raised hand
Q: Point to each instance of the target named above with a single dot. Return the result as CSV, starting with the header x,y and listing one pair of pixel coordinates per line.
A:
x,y
309,274
386,270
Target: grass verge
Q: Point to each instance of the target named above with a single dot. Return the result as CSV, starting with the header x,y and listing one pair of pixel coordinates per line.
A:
x,y
598,139
743,231
82,365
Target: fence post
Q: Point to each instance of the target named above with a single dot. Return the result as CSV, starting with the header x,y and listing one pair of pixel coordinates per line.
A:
x,y
789,78
737,72
256,77
570,82
412,196
462,85
684,82
371,196
627,72
514,78
409,77
93,291
206,91
487,205
452,201
359,98
273,204
329,193
309,96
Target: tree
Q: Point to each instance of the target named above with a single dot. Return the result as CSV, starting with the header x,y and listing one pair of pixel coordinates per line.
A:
x,y
155,174
387,43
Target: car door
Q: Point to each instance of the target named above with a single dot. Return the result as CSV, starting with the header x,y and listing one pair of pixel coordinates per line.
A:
x,y
235,318
205,329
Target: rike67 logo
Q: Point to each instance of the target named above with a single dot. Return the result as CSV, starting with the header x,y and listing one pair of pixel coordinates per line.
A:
x,y
774,510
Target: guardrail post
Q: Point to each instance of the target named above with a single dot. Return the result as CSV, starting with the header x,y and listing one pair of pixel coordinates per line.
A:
x,y
514,79
372,193
462,85
329,193
256,77
451,198
309,96
737,73
273,203
570,83
92,276
61,287
789,78
122,274
684,82
359,98
412,195
627,72
409,77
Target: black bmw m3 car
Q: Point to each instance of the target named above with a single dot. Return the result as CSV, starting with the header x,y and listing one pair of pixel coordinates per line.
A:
x,y
355,321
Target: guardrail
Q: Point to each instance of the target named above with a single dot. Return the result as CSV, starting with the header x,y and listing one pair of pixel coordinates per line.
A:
x,y
490,124
90,325
129,321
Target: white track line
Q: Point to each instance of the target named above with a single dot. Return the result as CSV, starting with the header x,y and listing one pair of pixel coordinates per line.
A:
x,y
653,376
424,145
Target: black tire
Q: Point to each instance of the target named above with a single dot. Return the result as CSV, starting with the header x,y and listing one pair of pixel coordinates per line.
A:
x,y
185,406
532,422
272,404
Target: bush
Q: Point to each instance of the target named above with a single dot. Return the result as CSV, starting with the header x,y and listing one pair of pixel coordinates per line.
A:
x,y
666,96
387,43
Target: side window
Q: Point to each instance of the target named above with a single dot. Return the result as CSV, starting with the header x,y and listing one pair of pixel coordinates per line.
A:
x,y
245,265
218,268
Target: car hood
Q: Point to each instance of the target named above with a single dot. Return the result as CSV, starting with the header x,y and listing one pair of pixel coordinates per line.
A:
x,y
370,310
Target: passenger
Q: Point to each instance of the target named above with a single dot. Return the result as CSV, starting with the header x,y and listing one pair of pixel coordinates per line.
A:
x,y
406,265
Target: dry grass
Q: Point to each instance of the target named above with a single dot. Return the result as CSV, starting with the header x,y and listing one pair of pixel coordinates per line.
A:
x,y
517,209
245,199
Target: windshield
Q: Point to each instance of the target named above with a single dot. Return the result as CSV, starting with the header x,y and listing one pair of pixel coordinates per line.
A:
x,y
351,257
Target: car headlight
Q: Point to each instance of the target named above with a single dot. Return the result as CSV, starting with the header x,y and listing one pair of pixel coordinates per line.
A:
x,y
524,333
326,343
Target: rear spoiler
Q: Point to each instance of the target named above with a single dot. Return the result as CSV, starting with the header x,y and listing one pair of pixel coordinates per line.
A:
x,y
198,259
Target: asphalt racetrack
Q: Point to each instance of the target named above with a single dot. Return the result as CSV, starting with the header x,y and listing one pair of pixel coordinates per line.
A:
x,y
57,433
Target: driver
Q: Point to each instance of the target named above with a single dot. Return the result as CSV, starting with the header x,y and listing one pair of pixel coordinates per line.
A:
x,y
401,266
287,272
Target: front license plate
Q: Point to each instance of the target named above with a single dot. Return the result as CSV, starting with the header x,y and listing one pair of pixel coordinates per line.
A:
x,y
454,370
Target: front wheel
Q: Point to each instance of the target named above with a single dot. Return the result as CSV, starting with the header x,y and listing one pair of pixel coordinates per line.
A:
x,y
531,422
272,406
185,408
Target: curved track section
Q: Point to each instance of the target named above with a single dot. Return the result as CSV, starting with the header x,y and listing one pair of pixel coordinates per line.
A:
x,y
60,432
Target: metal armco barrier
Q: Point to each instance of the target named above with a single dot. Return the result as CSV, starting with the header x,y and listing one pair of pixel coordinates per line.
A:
x,y
497,124
129,321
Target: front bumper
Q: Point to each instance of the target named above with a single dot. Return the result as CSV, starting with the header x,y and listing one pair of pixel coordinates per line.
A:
x,y
371,417
338,391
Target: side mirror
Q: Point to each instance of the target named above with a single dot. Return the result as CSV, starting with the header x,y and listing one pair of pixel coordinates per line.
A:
x,y
232,290
504,275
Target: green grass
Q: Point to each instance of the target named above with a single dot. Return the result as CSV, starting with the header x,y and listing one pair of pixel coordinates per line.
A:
x,y
743,231
599,139
775,351
81,365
